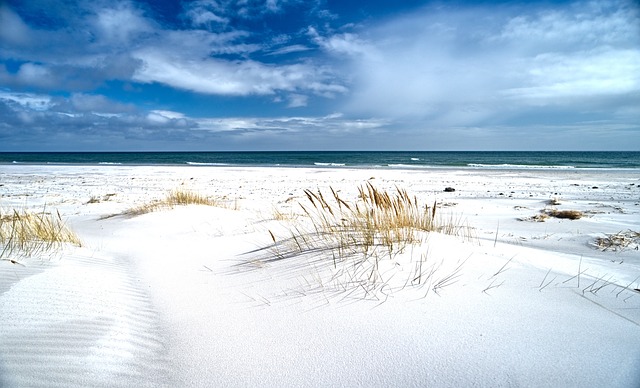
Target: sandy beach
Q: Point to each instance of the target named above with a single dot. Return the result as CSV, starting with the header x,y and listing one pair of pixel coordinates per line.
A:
x,y
206,296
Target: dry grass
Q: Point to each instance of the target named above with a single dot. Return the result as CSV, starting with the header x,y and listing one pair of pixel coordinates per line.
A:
x,y
280,215
542,217
96,199
619,241
566,214
554,201
25,233
545,214
378,219
174,198
360,240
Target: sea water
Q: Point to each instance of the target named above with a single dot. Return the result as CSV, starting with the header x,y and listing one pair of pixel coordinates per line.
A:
x,y
337,159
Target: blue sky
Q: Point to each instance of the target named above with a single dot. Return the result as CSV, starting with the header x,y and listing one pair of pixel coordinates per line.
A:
x,y
122,75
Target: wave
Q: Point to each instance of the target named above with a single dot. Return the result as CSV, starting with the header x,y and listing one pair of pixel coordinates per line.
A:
x,y
330,164
400,165
415,159
110,163
518,166
207,164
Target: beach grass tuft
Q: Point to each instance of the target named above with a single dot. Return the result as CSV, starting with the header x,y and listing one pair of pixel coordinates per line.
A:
x,y
566,214
174,198
545,214
24,233
619,241
361,239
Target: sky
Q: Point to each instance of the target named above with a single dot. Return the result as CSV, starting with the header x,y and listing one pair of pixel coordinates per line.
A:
x,y
244,75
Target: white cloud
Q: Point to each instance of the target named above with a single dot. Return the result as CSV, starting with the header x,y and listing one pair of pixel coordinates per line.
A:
x,y
334,123
296,48
141,50
558,79
121,24
31,101
297,100
456,67
34,74
345,43
169,114
241,78
12,29
205,13
582,24
82,102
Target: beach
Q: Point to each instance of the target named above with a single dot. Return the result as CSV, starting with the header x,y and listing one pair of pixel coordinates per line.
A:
x,y
214,295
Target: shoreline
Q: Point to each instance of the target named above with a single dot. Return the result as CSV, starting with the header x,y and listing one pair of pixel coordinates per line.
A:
x,y
334,166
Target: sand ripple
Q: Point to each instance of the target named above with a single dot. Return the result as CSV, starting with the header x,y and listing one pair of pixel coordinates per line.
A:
x,y
81,321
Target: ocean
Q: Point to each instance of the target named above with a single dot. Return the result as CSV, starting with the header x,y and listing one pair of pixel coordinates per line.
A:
x,y
337,159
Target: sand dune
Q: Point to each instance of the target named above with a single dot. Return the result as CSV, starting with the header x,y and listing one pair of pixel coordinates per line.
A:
x,y
186,296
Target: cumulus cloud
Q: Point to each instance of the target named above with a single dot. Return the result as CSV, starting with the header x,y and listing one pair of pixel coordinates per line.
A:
x,y
342,43
96,122
120,25
117,41
43,122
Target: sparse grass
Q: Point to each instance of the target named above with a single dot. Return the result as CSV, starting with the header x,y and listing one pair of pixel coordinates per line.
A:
x,y
174,198
25,233
361,239
566,214
280,215
378,220
554,201
619,241
181,197
96,199
542,217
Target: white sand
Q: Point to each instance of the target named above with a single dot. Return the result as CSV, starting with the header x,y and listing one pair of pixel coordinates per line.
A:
x,y
159,299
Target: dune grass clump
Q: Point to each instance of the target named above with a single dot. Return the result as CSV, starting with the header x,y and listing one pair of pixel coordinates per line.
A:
x,y
566,214
361,240
628,239
25,233
563,214
378,219
174,198
96,199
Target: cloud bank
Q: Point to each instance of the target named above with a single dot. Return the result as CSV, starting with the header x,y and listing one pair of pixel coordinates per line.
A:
x,y
251,74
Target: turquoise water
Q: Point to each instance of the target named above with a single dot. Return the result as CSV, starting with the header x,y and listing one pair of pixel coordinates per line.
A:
x,y
369,159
